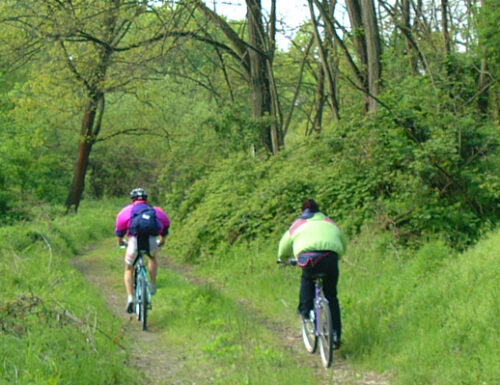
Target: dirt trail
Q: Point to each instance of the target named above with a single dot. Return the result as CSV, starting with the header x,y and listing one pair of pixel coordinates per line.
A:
x,y
157,364
162,366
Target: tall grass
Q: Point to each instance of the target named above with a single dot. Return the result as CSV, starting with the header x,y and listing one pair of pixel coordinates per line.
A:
x,y
426,317
54,329
429,317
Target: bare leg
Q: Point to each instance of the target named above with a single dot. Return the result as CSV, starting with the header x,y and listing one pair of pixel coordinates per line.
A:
x,y
153,269
128,278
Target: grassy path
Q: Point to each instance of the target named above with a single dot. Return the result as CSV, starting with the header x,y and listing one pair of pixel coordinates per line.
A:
x,y
198,335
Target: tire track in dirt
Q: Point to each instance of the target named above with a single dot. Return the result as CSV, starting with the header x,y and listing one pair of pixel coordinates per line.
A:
x,y
162,366
147,354
339,374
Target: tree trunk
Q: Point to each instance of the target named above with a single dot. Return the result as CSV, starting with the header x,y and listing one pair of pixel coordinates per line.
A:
x,y
410,53
259,82
444,26
88,134
256,58
483,100
358,33
327,72
373,51
320,100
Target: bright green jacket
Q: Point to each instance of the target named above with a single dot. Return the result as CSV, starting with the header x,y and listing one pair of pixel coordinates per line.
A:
x,y
317,233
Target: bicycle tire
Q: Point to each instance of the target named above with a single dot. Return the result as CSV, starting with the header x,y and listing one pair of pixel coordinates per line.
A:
x,y
325,333
143,303
309,333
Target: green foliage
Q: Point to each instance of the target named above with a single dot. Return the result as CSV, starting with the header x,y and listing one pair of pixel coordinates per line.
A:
x,y
33,151
435,307
53,327
434,177
489,35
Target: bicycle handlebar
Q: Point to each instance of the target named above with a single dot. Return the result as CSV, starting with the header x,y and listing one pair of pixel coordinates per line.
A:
x,y
290,261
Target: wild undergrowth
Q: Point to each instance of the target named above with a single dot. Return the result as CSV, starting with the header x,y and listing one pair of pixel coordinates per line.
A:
x,y
415,301
418,316
54,328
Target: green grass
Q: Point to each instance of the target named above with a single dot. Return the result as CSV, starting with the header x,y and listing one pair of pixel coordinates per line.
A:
x,y
209,337
227,341
55,329
425,317
429,316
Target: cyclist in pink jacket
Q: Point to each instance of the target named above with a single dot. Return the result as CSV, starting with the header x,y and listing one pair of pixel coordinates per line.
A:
x,y
127,225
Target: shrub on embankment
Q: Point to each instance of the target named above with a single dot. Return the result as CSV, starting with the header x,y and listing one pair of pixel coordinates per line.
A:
x,y
413,305
54,328
361,173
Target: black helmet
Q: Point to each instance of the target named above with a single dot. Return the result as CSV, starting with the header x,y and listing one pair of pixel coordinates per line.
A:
x,y
138,194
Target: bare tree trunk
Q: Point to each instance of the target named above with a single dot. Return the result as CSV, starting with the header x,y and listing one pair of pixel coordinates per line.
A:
x,y
373,50
356,20
408,43
256,58
320,100
259,81
88,134
444,26
323,52
288,118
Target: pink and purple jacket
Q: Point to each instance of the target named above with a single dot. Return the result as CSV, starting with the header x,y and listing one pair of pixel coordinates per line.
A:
x,y
125,215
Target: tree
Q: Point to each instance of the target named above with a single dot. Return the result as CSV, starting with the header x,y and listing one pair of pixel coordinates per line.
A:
x,y
256,57
373,51
327,70
90,41
366,62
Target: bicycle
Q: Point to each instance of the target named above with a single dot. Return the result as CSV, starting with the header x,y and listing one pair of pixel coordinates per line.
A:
x,y
142,291
318,326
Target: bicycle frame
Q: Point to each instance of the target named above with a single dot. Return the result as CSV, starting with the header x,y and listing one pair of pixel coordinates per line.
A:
x,y
141,288
317,329
318,296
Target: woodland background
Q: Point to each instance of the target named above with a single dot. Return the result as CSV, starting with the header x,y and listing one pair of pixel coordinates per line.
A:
x,y
387,116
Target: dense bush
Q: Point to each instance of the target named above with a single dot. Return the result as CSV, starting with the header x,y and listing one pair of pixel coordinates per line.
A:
x,y
439,181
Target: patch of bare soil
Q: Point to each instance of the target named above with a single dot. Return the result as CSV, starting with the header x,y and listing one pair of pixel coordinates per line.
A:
x,y
163,366
157,364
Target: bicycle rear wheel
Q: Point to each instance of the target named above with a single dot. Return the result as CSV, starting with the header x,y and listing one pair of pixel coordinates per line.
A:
x,y
325,333
143,303
309,333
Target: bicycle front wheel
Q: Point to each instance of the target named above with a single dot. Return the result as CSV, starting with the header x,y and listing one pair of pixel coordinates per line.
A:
x,y
309,333
143,303
325,333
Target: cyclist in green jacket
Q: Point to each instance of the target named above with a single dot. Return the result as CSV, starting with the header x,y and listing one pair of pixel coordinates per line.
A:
x,y
317,243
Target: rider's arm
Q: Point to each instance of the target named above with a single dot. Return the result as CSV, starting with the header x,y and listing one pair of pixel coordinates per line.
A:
x,y
285,248
123,222
165,223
